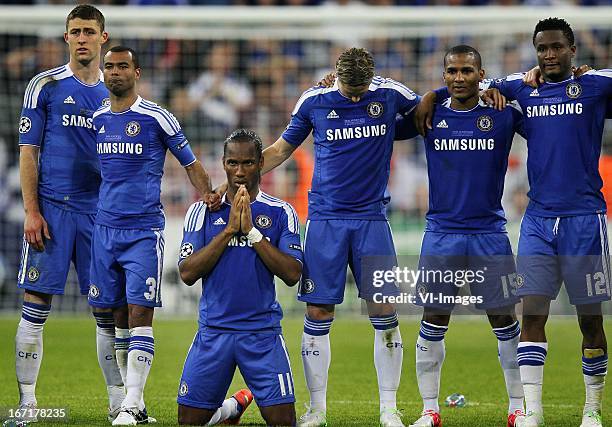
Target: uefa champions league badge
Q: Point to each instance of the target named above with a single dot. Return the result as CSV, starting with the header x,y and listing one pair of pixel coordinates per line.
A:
x,y
573,90
106,102
132,128
25,124
484,123
186,250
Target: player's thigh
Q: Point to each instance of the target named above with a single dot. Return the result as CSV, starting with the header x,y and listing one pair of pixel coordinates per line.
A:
x,y
141,255
585,258
443,257
264,364
492,271
208,370
537,263
107,280
325,261
82,254
371,251
46,271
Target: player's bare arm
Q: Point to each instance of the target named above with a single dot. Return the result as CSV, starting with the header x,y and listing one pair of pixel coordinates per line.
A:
x,y
276,154
534,77
203,261
282,265
35,226
200,179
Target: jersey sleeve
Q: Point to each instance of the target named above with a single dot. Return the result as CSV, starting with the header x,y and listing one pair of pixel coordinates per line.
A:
x,y
300,125
33,113
407,100
193,230
289,242
518,118
604,81
441,94
508,86
405,127
173,138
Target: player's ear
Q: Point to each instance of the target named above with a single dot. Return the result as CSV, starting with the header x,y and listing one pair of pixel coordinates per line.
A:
x,y
261,161
481,73
573,50
137,72
104,37
66,36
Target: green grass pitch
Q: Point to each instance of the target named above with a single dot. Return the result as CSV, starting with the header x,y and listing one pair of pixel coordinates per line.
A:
x,y
70,376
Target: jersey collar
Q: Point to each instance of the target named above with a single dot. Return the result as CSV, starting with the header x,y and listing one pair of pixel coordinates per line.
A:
x,y
481,103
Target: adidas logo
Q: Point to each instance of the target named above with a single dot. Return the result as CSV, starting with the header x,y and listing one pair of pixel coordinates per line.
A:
x,y
442,124
102,130
69,100
333,115
534,93
219,221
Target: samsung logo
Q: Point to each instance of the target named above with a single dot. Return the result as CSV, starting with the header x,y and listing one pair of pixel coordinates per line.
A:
x,y
119,148
468,144
356,132
554,110
74,120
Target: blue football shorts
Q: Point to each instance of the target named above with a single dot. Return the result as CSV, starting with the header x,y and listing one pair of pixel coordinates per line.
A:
x,y
212,359
571,250
46,271
126,267
332,245
483,262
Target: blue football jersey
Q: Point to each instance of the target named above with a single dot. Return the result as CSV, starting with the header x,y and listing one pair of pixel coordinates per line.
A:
x,y
353,143
467,157
57,117
132,148
564,124
238,295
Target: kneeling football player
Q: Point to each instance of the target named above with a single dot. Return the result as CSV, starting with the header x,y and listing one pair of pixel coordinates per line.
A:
x,y
237,251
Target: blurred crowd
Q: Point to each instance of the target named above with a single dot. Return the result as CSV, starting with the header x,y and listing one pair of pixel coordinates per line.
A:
x,y
213,87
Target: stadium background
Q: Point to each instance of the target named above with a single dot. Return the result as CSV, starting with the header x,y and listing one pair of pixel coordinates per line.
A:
x,y
218,67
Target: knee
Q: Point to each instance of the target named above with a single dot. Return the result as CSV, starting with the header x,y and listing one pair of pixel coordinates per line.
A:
x,y
591,326
189,417
285,418
534,322
320,312
501,320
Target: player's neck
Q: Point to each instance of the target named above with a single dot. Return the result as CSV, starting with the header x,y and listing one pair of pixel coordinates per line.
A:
x,y
88,74
466,104
559,78
122,103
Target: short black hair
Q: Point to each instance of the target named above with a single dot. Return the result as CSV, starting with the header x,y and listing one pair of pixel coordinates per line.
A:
x,y
244,135
118,49
555,24
87,12
464,49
